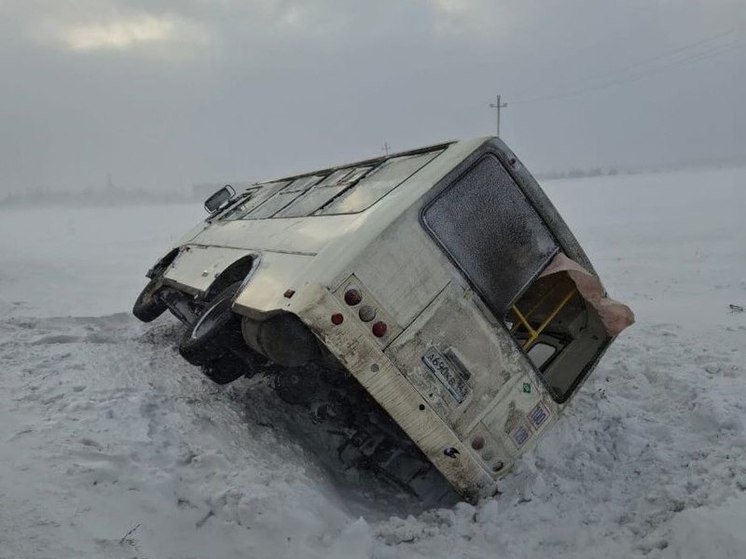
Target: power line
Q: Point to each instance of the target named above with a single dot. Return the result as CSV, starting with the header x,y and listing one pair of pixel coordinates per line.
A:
x,y
690,58
664,55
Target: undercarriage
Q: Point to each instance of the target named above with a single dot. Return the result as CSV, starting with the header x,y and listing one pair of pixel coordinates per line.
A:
x,y
364,436
367,438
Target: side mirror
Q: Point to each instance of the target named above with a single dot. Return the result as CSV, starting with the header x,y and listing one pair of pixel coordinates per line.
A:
x,y
219,199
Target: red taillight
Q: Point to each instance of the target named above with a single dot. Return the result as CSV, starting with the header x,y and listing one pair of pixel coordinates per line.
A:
x,y
353,297
337,319
379,329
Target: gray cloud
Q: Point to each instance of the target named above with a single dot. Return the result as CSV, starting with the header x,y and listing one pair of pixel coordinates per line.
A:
x,y
164,93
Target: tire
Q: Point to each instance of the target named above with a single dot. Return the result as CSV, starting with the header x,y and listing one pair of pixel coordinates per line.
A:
x,y
148,306
215,343
225,369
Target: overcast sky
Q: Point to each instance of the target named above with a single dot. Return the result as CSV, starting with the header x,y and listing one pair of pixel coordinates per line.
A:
x,y
166,93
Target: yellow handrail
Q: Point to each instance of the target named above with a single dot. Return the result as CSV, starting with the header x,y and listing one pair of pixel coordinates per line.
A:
x,y
522,319
533,335
531,311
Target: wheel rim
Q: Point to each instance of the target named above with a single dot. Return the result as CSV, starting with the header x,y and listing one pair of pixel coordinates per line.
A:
x,y
212,317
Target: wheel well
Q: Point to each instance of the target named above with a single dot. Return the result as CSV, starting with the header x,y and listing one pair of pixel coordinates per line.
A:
x,y
160,266
233,273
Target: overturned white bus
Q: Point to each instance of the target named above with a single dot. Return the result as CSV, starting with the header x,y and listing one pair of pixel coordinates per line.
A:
x,y
435,292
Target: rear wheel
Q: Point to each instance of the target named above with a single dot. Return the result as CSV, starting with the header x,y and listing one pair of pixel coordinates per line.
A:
x,y
215,343
148,305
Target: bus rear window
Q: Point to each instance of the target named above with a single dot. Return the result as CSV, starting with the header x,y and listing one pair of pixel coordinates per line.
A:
x,y
490,230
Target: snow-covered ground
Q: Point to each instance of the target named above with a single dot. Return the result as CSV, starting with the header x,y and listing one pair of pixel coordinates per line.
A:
x,y
112,446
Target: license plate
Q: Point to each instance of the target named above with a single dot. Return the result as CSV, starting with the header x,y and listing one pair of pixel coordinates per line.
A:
x,y
446,373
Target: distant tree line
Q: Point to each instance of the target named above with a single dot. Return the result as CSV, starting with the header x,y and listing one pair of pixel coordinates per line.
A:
x,y
90,197
577,173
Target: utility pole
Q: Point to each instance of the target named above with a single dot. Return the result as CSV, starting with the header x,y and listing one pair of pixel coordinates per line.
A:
x,y
386,147
498,106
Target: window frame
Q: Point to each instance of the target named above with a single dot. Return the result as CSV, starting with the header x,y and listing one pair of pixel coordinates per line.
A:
x,y
451,183
370,165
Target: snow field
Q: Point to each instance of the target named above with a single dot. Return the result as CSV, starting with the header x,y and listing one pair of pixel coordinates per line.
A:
x,y
112,446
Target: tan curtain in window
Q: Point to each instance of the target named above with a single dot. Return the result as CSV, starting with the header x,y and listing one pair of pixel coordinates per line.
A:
x,y
614,315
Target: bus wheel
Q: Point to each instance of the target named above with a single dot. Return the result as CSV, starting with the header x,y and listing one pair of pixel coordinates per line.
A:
x,y
148,305
214,342
225,369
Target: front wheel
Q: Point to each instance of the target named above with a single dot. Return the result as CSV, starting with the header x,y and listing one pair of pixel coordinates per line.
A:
x,y
148,305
